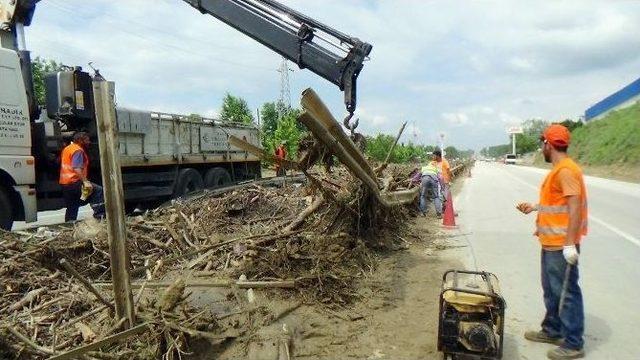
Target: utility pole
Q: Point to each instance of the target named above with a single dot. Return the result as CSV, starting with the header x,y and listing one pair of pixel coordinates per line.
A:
x,y
285,94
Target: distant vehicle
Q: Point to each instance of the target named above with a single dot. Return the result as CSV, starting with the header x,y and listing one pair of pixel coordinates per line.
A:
x,y
510,159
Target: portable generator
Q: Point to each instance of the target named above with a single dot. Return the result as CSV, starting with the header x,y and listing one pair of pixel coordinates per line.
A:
x,y
471,323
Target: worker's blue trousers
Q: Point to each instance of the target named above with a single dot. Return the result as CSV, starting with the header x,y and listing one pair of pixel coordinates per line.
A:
x,y
568,323
429,191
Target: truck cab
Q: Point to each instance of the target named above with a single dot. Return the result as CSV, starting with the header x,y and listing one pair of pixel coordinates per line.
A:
x,y
17,164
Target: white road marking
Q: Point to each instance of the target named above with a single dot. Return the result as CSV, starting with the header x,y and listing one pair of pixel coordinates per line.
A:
x,y
603,223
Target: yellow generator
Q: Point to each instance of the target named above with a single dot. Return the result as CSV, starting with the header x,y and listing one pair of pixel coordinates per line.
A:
x,y
471,323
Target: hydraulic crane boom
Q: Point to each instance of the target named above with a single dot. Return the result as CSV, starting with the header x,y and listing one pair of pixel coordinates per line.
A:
x,y
327,52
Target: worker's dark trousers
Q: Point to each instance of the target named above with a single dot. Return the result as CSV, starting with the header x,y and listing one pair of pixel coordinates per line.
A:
x,y
71,194
429,191
568,324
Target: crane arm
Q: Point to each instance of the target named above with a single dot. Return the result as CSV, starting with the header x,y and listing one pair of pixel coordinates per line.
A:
x,y
325,51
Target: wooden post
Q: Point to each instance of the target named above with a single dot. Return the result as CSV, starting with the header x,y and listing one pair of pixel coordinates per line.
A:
x,y
384,165
103,92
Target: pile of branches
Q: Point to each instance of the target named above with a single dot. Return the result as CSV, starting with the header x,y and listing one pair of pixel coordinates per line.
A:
x,y
46,311
312,234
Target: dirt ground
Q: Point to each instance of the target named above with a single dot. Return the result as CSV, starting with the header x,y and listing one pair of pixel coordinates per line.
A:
x,y
395,317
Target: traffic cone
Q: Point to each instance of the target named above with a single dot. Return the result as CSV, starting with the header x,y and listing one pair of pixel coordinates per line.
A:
x,y
449,218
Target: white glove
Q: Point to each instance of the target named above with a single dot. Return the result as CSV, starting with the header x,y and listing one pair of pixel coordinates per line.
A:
x,y
570,254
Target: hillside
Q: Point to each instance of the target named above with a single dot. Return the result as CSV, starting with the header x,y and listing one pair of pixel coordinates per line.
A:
x,y
614,140
609,147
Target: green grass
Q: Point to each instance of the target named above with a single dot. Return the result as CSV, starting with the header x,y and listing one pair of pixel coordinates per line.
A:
x,y
613,140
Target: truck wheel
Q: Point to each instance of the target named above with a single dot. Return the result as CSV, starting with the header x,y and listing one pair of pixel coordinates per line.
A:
x,y
216,177
6,210
189,180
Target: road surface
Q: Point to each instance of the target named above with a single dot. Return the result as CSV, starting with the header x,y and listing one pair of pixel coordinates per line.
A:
x,y
52,217
501,238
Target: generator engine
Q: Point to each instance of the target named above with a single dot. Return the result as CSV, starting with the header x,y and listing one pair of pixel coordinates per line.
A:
x,y
471,322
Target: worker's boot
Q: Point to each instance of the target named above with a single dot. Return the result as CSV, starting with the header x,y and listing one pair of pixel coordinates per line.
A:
x,y
543,337
561,353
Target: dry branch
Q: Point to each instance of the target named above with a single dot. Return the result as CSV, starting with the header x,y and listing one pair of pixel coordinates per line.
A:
x,y
65,264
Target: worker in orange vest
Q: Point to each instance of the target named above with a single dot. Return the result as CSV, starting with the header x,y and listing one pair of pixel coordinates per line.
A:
x,y
561,223
281,154
77,190
444,176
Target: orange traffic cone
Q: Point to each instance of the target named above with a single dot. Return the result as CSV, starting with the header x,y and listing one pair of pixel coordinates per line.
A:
x,y
449,218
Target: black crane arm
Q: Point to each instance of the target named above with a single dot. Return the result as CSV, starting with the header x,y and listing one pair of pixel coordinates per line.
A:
x,y
327,52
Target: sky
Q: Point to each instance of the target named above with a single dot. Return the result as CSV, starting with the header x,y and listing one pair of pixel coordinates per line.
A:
x,y
465,69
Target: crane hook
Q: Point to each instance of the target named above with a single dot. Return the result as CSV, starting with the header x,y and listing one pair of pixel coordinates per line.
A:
x,y
347,122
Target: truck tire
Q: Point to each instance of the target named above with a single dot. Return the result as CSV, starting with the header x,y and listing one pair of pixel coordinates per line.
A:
x,y
189,180
6,210
217,177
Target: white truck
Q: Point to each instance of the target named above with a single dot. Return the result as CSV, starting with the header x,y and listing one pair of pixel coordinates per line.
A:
x,y
162,155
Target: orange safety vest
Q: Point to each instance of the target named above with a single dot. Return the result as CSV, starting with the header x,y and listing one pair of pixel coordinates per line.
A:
x,y
553,212
281,153
445,169
67,174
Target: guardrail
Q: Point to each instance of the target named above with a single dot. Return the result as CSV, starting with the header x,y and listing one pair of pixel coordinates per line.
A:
x,y
461,168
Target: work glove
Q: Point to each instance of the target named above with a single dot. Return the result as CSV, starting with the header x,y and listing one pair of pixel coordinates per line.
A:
x,y
570,254
87,189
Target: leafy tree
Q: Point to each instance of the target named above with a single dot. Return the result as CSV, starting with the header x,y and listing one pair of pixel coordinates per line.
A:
x,y
496,150
235,109
571,125
378,146
450,152
40,67
276,130
194,117
269,120
287,131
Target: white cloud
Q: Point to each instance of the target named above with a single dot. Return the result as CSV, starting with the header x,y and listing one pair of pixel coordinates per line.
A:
x,y
456,119
509,119
519,63
487,110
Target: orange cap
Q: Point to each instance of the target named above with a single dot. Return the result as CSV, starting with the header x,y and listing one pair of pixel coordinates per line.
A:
x,y
557,135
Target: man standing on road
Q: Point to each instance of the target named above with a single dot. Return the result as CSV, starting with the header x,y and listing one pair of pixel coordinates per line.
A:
x,y
561,222
429,188
77,190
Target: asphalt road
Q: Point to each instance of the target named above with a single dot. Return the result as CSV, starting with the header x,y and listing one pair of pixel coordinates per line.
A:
x,y
52,217
501,238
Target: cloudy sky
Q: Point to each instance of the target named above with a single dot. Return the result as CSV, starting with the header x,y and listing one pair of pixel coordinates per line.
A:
x,y
466,69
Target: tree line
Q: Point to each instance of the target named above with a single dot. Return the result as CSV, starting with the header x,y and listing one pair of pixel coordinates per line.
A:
x,y
529,140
